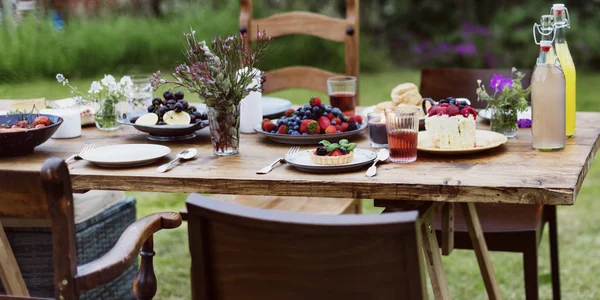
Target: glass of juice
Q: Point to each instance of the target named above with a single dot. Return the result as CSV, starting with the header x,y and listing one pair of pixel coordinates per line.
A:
x,y
403,133
342,92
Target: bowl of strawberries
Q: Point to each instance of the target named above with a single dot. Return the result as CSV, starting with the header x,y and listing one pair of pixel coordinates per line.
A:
x,y
21,133
311,123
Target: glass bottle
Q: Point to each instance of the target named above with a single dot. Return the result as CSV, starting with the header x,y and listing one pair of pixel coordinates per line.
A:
x,y
562,22
548,102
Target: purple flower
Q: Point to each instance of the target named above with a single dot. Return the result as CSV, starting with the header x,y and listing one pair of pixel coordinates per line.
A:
x,y
498,82
466,49
417,49
524,123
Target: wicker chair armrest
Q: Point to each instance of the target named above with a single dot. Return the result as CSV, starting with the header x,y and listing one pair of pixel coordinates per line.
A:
x,y
123,254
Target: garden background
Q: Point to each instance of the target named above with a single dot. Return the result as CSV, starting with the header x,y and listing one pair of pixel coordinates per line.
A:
x,y
397,39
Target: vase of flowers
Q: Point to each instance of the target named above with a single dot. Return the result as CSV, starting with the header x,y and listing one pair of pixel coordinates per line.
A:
x,y
107,94
222,76
509,98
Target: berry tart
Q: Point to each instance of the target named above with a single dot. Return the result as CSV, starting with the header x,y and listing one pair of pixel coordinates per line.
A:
x,y
333,153
451,124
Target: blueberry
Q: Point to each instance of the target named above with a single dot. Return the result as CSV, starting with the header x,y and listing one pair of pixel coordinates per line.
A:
x,y
178,95
444,101
321,151
150,108
307,107
352,126
273,131
452,102
333,123
296,127
304,133
337,131
343,150
324,114
316,109
295,133
328,109
300,113
168,95
460,107
279,122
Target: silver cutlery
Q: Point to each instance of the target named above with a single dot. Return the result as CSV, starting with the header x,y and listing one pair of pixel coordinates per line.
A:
x,y
87,147
185,154
382,155
268,168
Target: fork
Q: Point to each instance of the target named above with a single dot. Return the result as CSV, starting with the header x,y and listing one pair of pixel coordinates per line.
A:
x,y
87,147
268,168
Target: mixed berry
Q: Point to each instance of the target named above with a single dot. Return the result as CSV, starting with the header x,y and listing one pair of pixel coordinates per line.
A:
x,y
312,118
343,147
452,107
22,125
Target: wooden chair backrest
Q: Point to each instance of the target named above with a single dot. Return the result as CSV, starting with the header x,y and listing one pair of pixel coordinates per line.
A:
x,y
241,252
307,23
46,195
439,83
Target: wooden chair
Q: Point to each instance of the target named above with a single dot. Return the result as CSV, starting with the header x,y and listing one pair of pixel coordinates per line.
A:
x,y
506,227
48,194
242,252
307,23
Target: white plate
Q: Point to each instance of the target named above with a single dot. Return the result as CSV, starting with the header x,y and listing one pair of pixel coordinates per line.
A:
x,y
127,155
274,106
484,140
302,161
486,114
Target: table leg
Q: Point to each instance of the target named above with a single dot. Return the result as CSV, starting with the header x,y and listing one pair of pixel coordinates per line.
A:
x,y
481,250
434,262
9,270
448,228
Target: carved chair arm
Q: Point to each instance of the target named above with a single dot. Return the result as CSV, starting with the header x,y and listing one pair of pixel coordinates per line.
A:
x,y
123,254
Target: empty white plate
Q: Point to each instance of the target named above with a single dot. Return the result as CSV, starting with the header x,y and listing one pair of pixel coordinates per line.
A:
x,y
302,161
274,106
127,155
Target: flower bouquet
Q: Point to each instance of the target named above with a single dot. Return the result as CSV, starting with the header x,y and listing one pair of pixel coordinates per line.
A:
x,y
222,76
509,98
106,94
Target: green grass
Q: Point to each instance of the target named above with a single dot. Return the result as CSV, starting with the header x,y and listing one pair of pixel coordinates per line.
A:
x,y
579,229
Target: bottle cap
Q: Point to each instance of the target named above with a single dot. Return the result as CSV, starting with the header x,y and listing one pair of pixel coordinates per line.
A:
x,y
558,7
545,45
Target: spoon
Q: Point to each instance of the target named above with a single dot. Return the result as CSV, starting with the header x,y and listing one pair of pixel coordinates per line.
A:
x,y
382,155
185,154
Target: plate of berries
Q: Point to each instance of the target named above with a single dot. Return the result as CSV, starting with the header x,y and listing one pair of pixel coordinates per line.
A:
x,y
331,157
311,123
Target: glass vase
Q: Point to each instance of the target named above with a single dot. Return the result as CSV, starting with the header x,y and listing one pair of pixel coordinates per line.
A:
x,y
504,121
107,114
224,124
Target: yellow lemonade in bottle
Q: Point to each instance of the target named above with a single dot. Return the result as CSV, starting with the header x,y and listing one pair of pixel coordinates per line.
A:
x,y
566,61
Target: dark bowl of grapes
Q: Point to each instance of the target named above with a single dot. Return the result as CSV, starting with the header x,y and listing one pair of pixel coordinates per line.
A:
x,y
21,133
170,118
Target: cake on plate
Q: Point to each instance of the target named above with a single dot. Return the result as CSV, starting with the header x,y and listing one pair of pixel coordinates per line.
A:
x,y
451,125
333,153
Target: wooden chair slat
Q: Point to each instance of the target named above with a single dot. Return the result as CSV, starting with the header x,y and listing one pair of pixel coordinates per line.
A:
x,y
22,195
300,22
241,252
301,77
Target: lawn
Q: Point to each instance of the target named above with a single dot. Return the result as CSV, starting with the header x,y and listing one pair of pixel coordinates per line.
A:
x,y
579,227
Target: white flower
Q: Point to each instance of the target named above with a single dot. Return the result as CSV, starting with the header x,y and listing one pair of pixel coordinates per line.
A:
x,y
108,80
60,77
126,81
95,88
114,88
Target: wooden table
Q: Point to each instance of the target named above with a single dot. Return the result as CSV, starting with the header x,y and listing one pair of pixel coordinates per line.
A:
x,y
513,173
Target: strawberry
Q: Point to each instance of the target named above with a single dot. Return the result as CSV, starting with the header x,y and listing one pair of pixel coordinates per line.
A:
x,y
452,110
267,125
283,129
336,152
337,121
310,127
444,105
290,112
358,119
344,126
467,110
324,122
474,112
352,119
330,116
330,129
441,110
315,101
432,111
338,127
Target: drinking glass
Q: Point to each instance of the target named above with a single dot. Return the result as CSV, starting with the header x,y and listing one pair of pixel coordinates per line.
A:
x,y
342,93
140,96
403,133
377,130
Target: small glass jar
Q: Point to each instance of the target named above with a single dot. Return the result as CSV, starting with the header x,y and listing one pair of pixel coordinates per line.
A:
x,y
377,130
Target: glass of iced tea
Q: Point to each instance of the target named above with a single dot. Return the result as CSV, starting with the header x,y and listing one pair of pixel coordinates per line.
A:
x,y
342,92
403,132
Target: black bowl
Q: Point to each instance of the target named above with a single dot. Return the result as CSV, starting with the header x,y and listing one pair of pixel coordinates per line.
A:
x,y
23,142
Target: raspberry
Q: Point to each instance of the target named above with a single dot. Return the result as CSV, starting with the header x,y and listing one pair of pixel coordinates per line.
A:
x,y
452,110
